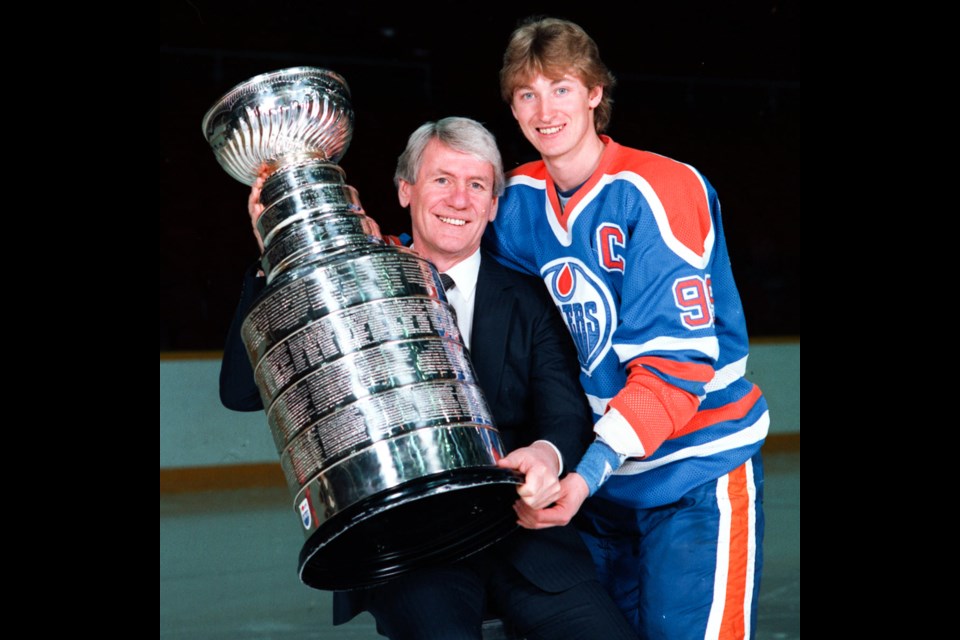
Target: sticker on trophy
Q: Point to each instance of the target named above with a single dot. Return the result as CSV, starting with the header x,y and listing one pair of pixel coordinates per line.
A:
x,y
305,513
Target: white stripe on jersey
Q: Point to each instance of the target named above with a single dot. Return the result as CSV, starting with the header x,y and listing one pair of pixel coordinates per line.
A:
x,y
726,376
619,434
750,435
527,181
597,404
562,235
709,347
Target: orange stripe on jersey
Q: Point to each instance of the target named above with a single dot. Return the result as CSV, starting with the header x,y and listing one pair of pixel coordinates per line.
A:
x,y
653,408
684,370
607,158
733,624
563,213
683,198
732,411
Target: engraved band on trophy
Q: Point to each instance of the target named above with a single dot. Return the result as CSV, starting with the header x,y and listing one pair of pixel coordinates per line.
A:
x,y
385,439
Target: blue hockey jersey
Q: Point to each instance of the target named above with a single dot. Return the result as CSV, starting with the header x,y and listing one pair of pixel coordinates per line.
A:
x,y
637,264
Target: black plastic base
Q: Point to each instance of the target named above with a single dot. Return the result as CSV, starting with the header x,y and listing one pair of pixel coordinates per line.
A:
x,y
424,522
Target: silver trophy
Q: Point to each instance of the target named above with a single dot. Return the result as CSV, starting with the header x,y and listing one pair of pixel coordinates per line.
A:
x,y
384,436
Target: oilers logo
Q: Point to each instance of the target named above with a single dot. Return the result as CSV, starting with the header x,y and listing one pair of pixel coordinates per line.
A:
x,y
305,515
586,307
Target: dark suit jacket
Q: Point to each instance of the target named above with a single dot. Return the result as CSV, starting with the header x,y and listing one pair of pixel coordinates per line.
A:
x,y
527,366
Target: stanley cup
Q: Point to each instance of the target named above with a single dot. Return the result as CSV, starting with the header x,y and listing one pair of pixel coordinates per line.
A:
x,y
386,441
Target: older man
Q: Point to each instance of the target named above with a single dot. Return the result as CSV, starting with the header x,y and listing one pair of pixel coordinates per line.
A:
x,y
541,582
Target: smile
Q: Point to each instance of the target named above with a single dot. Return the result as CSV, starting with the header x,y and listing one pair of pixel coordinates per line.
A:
x,y
548,131
453,221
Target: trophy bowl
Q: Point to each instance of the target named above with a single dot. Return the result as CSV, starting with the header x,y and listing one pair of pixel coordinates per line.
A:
x,y
386,441
280,118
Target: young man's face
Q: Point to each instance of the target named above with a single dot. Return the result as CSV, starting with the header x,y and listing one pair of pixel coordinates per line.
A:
x,y
556,116
450,204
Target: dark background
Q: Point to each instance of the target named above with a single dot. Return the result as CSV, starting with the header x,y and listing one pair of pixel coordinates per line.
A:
x,y
713,84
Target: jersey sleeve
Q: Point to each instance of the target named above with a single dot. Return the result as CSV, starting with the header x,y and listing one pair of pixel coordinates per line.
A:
x,y
507,238
666,336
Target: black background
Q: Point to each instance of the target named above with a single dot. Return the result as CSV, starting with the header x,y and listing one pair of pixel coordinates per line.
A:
x,y
712,84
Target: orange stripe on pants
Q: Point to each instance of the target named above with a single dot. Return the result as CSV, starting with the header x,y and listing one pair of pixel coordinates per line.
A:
x,y
739,588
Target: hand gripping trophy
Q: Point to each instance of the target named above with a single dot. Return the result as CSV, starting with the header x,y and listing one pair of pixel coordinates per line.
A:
x,y
384,436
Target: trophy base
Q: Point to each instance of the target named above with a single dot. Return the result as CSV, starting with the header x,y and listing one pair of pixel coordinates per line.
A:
x,y
428,521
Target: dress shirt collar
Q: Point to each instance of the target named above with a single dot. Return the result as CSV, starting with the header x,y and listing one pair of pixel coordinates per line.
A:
x,y
465,274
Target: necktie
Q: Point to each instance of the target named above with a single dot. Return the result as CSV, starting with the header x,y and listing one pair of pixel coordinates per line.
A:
x,y
447,281
449,284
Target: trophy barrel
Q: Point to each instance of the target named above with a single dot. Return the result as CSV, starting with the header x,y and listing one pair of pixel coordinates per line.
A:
x,y
386,441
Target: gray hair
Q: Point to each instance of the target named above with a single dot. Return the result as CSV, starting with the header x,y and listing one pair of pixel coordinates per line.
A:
x,y
461,134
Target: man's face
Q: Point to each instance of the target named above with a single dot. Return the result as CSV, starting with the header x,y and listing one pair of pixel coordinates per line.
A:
x,y
556,116
450,204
